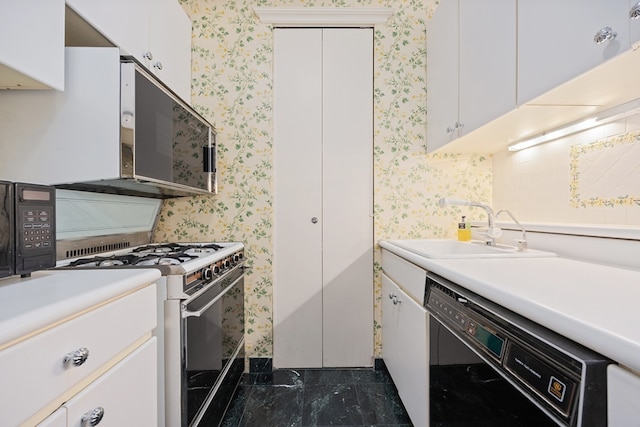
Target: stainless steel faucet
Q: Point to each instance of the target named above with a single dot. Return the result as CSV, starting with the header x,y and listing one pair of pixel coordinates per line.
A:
x,y
522,244
492,232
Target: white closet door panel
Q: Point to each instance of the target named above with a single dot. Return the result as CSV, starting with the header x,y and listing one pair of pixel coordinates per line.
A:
x,y
298,189
347,197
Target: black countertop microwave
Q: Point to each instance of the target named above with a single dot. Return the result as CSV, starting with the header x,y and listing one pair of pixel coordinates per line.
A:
x,y
27,228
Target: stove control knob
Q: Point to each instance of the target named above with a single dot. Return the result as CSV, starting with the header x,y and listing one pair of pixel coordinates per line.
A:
x,y
216,269
207,274
227,263
236,257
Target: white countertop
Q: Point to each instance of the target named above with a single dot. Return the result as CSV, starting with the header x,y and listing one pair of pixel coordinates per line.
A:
x,y
34,303
592,304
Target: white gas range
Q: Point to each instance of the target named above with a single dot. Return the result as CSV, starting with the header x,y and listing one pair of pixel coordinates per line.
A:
x,y
200,300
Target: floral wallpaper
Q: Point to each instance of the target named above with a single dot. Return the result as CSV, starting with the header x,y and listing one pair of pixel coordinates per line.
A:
x,y
232,87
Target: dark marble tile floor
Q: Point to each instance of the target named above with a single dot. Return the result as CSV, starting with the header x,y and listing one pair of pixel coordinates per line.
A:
x,y
461,396
316,397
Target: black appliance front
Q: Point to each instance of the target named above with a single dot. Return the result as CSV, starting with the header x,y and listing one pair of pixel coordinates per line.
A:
x,y
213,350
35,228
27,228
7,232
564,379
172,143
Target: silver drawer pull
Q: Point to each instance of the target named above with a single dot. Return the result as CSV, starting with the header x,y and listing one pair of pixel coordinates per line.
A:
x,y
77,358
92,418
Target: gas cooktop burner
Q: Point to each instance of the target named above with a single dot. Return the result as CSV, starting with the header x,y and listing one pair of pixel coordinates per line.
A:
x,y
152,255
172,248
170,258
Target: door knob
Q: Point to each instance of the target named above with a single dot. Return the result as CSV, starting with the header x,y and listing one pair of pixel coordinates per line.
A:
x,y
314,220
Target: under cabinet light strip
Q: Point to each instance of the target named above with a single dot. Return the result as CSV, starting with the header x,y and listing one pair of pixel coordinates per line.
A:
x,y
616,113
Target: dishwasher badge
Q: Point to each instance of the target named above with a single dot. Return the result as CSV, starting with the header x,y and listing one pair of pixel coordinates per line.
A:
x,y
557,388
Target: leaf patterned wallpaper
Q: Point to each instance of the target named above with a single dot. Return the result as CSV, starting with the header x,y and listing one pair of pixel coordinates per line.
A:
x,y
232,86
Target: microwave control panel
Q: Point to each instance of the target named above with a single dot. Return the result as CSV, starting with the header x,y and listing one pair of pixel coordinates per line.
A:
x,y
35,228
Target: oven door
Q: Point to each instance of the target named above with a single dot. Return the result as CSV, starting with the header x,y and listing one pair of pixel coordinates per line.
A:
x,y
212,347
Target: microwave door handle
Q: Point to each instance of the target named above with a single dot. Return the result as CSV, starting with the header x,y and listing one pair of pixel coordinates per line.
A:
x,y
209,159
188,313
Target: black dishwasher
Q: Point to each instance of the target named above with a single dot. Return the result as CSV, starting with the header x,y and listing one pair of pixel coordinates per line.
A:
x,y
564,380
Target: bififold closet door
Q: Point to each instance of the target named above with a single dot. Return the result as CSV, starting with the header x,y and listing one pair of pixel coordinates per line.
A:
x,y
323,144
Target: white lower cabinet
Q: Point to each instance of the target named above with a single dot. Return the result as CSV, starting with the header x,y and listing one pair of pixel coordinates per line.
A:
x,y
623,395
57,419
405,349
105,357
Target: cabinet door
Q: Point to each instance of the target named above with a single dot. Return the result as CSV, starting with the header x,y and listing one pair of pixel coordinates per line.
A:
x,y
297,310
57,419
623,395
170,44
487,69
634,22
442,75
556,41
125,23
127,393
32,48
405,349
323,297
347,197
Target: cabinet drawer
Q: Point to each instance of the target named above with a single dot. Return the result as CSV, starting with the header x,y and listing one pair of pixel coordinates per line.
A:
x,y
33,371
409,276
126,393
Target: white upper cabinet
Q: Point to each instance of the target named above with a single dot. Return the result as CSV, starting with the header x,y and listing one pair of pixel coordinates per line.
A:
x,y
442,75
634,17
170,44
157,33
471,67
556,41
32,51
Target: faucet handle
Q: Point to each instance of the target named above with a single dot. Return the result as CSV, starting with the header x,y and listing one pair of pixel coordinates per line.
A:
x,y
522,245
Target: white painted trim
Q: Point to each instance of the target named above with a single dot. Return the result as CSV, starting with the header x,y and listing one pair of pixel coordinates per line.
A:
x,y
323,16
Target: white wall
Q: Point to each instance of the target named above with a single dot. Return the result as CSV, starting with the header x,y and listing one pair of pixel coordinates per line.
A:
x,y
588,178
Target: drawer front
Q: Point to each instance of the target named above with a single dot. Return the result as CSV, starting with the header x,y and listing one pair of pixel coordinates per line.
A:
x,y
409,276
33,372
126,394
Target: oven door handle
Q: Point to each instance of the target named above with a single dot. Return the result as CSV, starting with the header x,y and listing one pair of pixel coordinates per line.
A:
x,y
187,313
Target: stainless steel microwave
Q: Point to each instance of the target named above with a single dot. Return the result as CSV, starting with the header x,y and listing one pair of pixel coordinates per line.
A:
x,y
27,228
116,128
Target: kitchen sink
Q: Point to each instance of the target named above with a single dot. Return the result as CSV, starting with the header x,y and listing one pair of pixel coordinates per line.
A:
x,y
444,248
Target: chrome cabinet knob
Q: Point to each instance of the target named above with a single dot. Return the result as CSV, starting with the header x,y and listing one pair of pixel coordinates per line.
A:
x,y
455,127
76,358
314,220
605,34
158,65
634,12
396,300
92,418
148,55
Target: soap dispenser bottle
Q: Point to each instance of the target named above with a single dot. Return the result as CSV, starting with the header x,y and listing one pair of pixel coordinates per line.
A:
x,y
464,232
